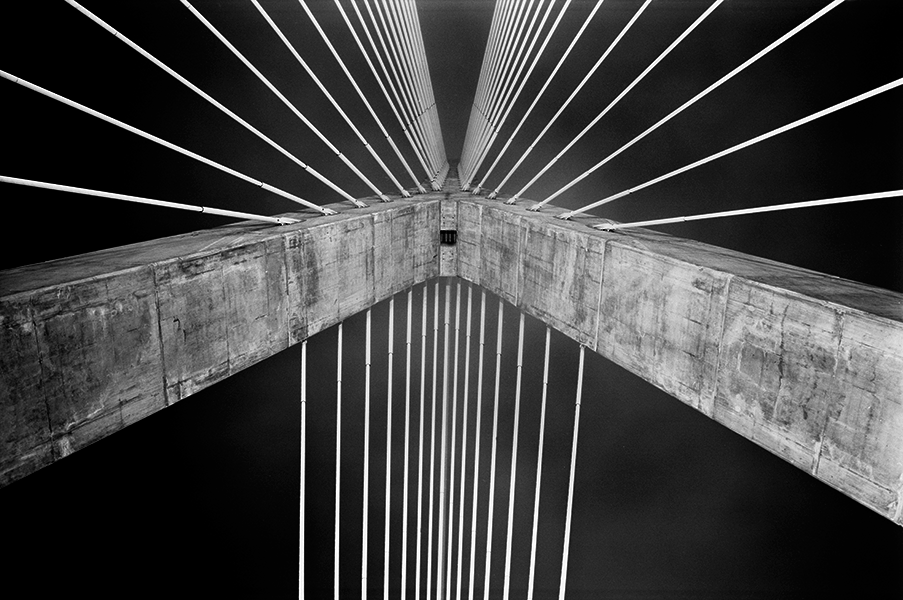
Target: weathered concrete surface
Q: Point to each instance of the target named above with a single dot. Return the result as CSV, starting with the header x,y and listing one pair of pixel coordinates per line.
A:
x,y
92,343
806,365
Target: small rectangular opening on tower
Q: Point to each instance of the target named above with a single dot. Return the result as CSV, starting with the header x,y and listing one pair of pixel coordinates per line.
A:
x,y
448,237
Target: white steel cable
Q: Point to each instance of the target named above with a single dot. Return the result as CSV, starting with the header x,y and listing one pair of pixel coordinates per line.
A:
x,y
418,552
303,469
214,102
481,81
366,508
162,142
163,203
417,36
503,93
407,443
453,444
523,81
539,94
338,461
579,87
695,98
410,38
331,98
824,112
391,49
476,451
617,99
495,433
493,52
408,20
391,357
429,565
284,100
463,475
362,96
754,210
513,474
395,105
443,489
570,504
501,57
542,428
424,66
490,105
481,103
400,87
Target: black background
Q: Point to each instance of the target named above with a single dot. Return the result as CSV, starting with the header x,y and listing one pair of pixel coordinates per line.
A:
x,y
202,498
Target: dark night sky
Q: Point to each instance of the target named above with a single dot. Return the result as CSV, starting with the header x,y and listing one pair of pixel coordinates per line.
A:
x,y
202,498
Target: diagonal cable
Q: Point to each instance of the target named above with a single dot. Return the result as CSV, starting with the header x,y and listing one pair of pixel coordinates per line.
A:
x,y
214,102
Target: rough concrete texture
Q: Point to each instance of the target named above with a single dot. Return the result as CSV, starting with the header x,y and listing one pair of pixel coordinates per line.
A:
x,y
92,343
806,365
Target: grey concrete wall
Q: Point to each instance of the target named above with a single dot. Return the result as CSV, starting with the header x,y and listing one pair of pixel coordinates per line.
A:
x,y
92,343
806,365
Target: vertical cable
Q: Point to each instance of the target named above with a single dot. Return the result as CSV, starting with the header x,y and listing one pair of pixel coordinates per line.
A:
x,y
464,440
495,433
542,428
338,458
453,443
407,441
429,562
366,509
570,507
476,451
417,569
391,351
443,490
511,487
301,536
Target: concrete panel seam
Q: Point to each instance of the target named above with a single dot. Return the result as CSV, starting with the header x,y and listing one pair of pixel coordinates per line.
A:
x,y
824,430
222,288
599,299
153,269
34,328
521,248
719,353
